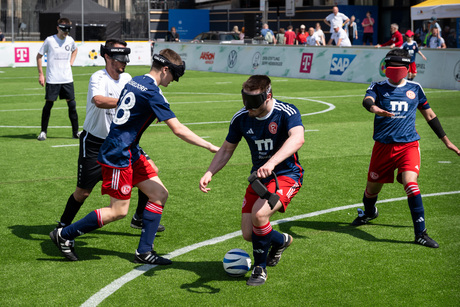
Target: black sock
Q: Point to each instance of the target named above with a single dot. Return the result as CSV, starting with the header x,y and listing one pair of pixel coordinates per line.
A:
x,y
70,211
143,199
46,113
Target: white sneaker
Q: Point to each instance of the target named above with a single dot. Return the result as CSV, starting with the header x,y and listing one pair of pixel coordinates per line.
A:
x,y
42,136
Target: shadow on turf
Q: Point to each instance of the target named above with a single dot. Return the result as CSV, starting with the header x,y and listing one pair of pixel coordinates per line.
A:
x,y
207,271
36,233
339,227
28,136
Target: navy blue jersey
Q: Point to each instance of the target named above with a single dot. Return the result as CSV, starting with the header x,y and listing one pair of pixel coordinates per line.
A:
x,y
266,135
140,103
403,101
412,49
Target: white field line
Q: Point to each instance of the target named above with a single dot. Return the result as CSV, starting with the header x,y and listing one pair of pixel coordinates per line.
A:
x,y
111,288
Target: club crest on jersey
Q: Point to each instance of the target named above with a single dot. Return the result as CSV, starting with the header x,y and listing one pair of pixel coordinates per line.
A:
x,y
410,94
374,175
126,189
273,127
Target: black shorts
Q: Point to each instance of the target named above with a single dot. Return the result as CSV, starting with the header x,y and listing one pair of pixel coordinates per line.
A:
x,y
64,91
367,38
89,171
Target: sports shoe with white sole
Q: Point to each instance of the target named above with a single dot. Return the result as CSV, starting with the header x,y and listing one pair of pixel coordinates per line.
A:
x,y
136,222
274,255
363,218
258,276
42,136
65,246
151,258
425,240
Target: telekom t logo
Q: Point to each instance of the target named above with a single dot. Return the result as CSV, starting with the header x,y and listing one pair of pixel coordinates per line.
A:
x,y
21,55
305,64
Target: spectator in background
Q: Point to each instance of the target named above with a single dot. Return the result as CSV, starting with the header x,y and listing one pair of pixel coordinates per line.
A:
x,y
351,28
268,34
336,18
435,24
340,37
435,40
237,31
396,39
280,36
312,39
320,34
172,36
368,25
296,31
2,37
451,41
445,33
412,49
421,33
301,38
289,36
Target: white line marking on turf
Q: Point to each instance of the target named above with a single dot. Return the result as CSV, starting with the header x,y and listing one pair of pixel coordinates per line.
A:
x,y
108,290
70,145
445,162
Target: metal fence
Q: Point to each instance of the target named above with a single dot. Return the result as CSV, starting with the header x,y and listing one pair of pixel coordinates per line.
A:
x,y
20,19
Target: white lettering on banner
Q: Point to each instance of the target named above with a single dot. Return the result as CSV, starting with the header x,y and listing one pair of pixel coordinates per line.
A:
x,y
399,105
263,145
340,64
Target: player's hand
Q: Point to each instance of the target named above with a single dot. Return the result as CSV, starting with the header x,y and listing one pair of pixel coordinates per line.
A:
x,y
214,148
204,181
265,170
380,112
451,146
41,79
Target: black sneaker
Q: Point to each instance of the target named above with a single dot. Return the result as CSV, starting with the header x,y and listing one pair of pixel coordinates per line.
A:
x,y
151,258
65,246
363,218
258,276
425,240
274,255
136,223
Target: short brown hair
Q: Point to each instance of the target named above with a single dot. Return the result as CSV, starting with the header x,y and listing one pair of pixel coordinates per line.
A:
x,y
170,55
257,82
64,21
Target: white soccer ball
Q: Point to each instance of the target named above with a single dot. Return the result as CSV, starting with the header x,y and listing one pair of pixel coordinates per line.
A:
x,y
237,262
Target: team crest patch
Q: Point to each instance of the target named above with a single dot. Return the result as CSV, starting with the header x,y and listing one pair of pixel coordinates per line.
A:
x,y
273,127
374,175
126,189
410,94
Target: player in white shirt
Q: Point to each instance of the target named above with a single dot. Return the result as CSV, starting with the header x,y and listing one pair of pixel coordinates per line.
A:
x,y
61,52
336,18
340,37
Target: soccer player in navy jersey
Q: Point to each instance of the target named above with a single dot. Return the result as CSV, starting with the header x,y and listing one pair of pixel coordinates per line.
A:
x,y
274,132
124,165
395,102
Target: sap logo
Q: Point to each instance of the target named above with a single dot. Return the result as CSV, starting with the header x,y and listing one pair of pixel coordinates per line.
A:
x,y
208,57
340,63
21,55
398,106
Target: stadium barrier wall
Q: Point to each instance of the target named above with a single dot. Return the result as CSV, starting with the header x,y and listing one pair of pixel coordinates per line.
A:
x,y
349,64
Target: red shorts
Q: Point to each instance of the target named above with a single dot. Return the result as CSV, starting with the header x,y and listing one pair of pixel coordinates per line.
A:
x,y
288,189
388,157
118,183
413,68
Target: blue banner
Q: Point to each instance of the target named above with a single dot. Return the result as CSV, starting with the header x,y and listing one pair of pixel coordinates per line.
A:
x,y
189,23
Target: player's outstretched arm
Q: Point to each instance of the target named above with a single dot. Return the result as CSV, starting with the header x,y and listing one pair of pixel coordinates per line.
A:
x,y
293,143
369,104
188,135
435,125
218,162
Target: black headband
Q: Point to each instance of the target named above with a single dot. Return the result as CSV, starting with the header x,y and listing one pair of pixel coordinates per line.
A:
x,y
177,71
117,53
397,60
65,27
254,101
